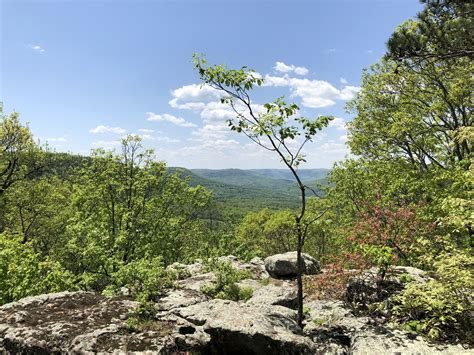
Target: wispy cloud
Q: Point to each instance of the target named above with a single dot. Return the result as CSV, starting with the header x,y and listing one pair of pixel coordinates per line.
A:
x,y
164,139
105,144
338,123
56,140
37,48
285,68
178,121
107,129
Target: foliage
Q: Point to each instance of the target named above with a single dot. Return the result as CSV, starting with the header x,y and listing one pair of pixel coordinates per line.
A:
x,y
385,235
144,319
20,157
25,273
101,223
440,308
265,233
145,279
225,286
441,31
332,283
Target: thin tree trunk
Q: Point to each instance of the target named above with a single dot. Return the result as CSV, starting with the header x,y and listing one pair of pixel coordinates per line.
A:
x,y
299,278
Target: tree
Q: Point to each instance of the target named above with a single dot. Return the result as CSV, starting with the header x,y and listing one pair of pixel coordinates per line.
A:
x,y
127,207
20,157
414,115
442,31
273,128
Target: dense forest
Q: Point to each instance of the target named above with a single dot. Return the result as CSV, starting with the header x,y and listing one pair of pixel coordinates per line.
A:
x,y
405,197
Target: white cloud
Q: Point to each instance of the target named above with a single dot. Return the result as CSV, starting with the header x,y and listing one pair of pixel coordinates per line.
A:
x,y
217,111
343,138
37,48
58,140
211,131
338,123
313,93
145,130
107,129
164,139
343,81
370,51
167,140
105,144
193,97
334,148
178,121
285,68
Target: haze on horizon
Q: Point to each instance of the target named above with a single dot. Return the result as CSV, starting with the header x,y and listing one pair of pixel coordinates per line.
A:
x,y
84,74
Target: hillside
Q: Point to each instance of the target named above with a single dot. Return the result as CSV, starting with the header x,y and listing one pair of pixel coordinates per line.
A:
x,y
306,174
243,191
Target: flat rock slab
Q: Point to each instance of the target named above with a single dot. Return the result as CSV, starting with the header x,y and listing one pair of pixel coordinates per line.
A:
x,y
84,322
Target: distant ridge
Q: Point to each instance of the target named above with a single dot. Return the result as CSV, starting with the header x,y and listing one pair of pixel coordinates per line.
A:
x,y
253,189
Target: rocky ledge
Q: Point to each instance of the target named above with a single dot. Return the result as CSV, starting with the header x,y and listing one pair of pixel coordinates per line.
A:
x,y
187,321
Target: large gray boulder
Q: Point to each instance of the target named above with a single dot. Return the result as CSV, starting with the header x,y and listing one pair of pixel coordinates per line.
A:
x,y
285,265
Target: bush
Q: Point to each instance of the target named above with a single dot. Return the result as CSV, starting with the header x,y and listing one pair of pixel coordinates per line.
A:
x,y
25,273
146,279
440,308
225,286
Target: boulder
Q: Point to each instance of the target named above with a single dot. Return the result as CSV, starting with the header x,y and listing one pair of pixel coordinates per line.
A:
x,y
285,265
239,328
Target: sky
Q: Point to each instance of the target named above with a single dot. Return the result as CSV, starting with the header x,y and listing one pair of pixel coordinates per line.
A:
x,y
83,73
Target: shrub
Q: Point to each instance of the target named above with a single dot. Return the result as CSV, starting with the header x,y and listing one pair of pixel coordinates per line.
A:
x,y
332,283
23,272
145,278
225,286
440,308
144,319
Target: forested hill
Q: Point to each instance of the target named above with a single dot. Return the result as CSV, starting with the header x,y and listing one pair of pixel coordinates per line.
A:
x,y
247,190
242,190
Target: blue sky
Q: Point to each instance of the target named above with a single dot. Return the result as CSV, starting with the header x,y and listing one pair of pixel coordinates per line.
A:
x,y
85,73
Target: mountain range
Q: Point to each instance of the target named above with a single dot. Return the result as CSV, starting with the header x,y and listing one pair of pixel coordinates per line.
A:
x,y
256,188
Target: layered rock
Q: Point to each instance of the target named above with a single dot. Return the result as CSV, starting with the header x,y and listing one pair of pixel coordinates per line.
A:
x,y
187,321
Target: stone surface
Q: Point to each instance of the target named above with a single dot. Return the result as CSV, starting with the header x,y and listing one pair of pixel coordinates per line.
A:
x,y
247,329
285,265
84,322
284,295
187,321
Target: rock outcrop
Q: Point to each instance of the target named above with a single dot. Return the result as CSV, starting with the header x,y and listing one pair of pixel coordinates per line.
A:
x,y
187,321
285,265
